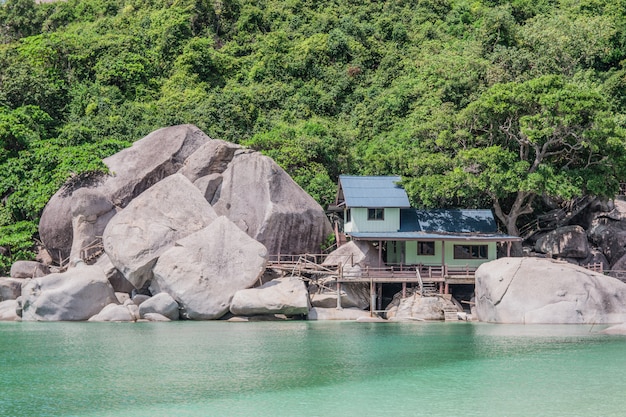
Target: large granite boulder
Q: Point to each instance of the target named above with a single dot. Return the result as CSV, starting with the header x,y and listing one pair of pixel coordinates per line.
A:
x,y
77,294
204,270
416,307
114,312
353,253
8,311
151,223
323,294
287,296
608,232
260,197
156,156
132,171
91,211
564,242
115,277
534,290
10,288
211,158
28,269
350,258
162,304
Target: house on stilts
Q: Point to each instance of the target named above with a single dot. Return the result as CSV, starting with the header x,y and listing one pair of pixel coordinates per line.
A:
x,y
444,247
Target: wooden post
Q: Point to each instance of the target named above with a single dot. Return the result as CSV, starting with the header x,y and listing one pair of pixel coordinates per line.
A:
x,y
372,297
380,253
380,296
338,294
404,290
508,249
447,288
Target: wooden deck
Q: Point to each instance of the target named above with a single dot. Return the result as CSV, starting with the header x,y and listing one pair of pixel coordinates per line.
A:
x,y
441,276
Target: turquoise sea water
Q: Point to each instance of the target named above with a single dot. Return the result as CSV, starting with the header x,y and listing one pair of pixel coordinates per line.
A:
x,y
309,369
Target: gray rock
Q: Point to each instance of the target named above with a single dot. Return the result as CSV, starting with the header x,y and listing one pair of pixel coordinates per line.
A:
x,y
203,271
533,290
28,269
209,185
8,310
10,288
352,294
91,211
416,307
259,197
619,329
565,242
155,317
353,253
115,277
133,171
162,304
317,313
151,159
122,297
212,157
151,223
139,299
287,296
77,294
113,312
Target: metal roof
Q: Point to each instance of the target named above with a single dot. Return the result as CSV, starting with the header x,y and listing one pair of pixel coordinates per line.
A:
x,y
373,192
448,221
473,237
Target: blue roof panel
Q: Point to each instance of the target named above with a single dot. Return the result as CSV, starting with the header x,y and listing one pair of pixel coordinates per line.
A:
x,y
373,192
448,221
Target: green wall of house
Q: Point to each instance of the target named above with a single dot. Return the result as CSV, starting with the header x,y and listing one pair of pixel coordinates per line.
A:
x,y
406,253
360,223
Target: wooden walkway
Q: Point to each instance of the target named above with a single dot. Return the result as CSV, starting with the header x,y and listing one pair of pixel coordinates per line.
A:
x,y
426,276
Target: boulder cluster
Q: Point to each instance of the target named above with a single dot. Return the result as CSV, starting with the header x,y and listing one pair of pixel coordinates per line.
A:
x,y
181,227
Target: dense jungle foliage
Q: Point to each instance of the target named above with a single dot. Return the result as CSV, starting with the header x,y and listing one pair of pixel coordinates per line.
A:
x,y
476,103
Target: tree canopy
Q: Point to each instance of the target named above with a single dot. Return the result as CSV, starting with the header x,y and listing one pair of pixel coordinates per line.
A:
x,y
482,103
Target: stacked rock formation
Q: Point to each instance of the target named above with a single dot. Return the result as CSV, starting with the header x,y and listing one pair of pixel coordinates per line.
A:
x,y
179,214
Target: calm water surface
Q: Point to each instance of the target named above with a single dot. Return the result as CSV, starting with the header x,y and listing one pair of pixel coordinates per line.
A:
x,y
309,369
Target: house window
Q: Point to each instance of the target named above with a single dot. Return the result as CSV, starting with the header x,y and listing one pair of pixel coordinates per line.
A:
x,y
348,216
470,251
376,214
426,248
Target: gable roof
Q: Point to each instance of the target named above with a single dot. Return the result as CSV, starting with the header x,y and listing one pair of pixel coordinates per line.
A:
x,y
370,191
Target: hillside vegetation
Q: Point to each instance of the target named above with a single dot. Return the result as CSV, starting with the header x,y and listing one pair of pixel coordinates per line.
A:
x,y
476,103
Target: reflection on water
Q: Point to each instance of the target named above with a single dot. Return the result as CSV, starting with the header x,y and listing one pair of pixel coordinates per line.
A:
x,y
309,369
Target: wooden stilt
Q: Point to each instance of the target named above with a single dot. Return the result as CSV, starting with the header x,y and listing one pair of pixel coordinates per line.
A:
x,y
404,290
339,295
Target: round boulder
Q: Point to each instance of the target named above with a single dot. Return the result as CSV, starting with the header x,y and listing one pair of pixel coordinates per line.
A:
x,y
534,290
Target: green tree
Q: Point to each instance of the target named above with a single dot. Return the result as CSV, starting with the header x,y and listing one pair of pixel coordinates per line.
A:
x,y
519,141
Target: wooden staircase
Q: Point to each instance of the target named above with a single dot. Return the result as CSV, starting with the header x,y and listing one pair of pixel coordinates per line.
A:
x,y
450,313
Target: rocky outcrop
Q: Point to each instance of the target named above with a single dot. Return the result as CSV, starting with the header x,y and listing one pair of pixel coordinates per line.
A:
x,y
287,296
28,269
114,312
77,294
204,270
8,310
91,212
352,257
533,290
132,171
565,242
162,304
416,307
10,288
275,210
151,223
